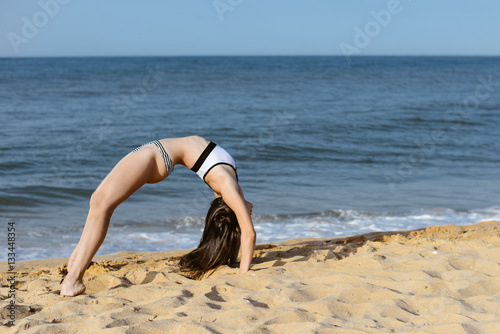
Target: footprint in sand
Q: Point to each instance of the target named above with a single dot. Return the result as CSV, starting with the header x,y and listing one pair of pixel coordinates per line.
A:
x,y
214,306
256,303
154,277
22,311
214,295
104,282
462,263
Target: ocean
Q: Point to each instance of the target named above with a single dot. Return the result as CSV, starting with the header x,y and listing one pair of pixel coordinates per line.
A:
x,y
324,147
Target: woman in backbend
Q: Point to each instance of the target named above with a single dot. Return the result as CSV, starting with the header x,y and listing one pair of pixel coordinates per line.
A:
x,y
228,225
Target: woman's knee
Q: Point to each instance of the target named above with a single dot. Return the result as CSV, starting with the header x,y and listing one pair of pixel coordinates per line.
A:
x,y
100,203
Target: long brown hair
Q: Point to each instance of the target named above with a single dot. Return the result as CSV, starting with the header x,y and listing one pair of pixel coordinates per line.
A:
x,y
219,243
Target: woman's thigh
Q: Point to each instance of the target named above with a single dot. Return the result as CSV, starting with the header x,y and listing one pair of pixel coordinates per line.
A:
x,y
129,174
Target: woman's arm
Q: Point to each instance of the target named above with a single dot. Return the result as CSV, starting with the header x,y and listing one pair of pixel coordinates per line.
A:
x,y
233,196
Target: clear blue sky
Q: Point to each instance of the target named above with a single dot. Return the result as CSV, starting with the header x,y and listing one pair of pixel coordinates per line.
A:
x,y
248,27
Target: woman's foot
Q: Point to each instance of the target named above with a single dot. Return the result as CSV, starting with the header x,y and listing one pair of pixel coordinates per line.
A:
x,y
71,288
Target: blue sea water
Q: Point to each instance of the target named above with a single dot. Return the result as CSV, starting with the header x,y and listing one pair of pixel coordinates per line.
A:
x,y
323,147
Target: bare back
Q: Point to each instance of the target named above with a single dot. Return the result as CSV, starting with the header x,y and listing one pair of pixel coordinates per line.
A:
x,y
186,150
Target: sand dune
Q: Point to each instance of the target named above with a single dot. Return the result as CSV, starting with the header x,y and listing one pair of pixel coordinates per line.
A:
x,y
433,280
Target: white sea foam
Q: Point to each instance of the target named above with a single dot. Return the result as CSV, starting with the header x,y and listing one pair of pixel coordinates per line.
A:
x,y
185,232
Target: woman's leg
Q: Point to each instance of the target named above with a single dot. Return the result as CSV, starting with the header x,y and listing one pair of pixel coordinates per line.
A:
x,y
131,173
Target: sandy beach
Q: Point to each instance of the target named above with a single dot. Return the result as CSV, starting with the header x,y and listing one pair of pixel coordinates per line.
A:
x,y
441,279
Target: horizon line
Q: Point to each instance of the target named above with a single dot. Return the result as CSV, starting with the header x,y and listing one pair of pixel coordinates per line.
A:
x,y
249,55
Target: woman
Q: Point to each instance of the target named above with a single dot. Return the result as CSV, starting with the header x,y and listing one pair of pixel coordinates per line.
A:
x,y
228,225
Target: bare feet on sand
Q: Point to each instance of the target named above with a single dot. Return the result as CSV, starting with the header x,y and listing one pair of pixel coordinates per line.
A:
x,y
71,288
